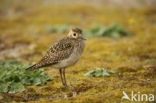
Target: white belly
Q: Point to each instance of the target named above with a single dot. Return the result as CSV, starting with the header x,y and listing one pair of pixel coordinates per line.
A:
x,y
74,57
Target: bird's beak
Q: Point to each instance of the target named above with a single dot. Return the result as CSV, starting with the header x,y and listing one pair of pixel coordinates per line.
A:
x,y
83,38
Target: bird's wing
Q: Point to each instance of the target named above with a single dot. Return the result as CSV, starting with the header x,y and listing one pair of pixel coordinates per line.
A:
x,y
59,51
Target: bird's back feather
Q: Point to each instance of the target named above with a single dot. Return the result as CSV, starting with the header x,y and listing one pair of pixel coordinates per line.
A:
x,y
58,52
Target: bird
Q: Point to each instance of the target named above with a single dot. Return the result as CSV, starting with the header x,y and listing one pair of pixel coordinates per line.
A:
x,y
64,53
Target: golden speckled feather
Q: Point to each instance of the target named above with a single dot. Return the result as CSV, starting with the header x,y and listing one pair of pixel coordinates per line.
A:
x,y
59,51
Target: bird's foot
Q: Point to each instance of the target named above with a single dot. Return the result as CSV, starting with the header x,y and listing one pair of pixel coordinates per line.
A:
x,y
65,85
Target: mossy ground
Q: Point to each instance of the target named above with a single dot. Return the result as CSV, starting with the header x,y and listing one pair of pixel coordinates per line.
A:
x,y
132,56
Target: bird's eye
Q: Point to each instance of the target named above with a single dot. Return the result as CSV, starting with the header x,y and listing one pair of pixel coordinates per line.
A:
x,y
74,34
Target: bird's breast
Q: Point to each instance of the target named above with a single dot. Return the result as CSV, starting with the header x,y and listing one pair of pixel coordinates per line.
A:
x,y
73,58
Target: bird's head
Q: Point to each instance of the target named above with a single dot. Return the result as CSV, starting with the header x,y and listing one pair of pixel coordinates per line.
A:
x,y
76,33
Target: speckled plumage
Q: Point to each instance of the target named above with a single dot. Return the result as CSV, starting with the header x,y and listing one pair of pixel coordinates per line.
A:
x,y
63,53
58,52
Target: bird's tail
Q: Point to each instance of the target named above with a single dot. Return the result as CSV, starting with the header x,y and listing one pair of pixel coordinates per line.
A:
x,y
33,67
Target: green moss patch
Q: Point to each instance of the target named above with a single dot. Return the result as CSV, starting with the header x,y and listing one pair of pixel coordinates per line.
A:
x,y
99,72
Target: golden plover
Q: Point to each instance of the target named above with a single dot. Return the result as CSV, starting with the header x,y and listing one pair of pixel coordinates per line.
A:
x,y
63,53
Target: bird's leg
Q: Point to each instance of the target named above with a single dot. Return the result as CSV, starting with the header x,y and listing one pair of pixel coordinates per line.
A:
x,y
60,70
64,77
